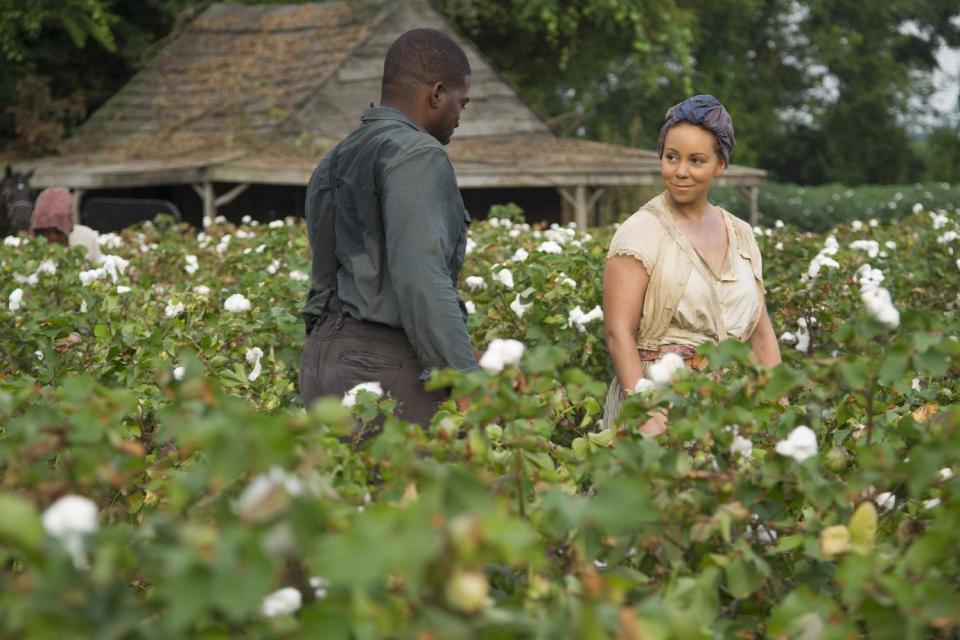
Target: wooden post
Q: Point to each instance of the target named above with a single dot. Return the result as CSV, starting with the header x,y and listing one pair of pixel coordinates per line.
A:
x,y
76,198
209,197
752,196
577,199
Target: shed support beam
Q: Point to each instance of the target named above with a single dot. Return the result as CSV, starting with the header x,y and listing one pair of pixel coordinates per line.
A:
x,y
231,195
76,198
580,202
752,196
209,197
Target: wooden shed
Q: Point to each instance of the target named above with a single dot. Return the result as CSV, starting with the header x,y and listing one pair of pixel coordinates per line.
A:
x,y
249,97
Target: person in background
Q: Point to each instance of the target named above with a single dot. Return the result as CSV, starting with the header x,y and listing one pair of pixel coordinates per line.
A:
x,y
388,234
682,271
53,219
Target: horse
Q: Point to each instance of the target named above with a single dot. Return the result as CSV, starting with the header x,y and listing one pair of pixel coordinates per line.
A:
x,y
16,205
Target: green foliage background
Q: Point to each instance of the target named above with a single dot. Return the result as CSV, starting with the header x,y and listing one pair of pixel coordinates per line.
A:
x,y
821,90
564,526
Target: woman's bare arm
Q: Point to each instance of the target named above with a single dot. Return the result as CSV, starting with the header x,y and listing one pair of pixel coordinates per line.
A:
x,y
764,341
624,286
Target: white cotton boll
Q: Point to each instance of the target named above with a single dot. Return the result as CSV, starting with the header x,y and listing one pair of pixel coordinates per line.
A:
x,y
803,338
948,237
178,372
122,289
319,586
38,355
257,499
945,474
83,306
643,385
246,219
91,276
494,222
504,277
114,266
799,445
192,265
564,279
48,267
298,276
932,503
663,371
520,255
550,247
514,233
886,501
856,225
819,261
201,290
470,307
741,446
939,219
577,318
273,267
172,309
918,208
11,241
13,302
475,283
758,231
778,224
958,263
872,247
253,357
500,354
874,222
471,246
284,601
276,224
778,246
890,244
880,307
915,384
30,280
350,397
237,303
519,308
788,337
69,519
830,246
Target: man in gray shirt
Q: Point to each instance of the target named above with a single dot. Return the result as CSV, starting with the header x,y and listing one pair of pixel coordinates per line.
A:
x,y
388,232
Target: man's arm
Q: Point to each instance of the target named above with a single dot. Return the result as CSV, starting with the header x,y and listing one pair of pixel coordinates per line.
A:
x,y
423,219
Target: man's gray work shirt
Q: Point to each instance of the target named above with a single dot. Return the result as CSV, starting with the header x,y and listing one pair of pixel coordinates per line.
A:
x,y
387,199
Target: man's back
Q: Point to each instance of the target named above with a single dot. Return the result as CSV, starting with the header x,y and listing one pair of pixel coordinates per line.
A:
x,y
386,222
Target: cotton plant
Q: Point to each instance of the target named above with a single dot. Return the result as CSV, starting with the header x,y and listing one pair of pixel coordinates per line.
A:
x,y
350,397
173,309
237,303
504,277
663,371
577,318
70,519
14,300
501,354
253,357
519,308
799,445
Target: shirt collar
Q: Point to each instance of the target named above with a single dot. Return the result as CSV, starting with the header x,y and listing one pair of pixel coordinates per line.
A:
x,y
389,113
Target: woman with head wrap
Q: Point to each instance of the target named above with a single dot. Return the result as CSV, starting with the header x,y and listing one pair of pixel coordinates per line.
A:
x,y
53,219
682,271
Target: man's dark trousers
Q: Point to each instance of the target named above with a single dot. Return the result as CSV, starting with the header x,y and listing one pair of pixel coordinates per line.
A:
x,y
343,352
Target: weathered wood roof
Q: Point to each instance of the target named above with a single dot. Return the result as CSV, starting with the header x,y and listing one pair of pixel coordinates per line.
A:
x,y
257,93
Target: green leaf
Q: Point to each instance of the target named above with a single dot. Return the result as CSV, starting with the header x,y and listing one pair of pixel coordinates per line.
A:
x,y
20,524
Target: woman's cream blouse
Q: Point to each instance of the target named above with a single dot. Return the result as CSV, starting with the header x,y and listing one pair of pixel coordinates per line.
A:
x,y
686,302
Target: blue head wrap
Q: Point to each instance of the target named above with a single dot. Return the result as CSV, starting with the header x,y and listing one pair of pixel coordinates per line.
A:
x,y
707,112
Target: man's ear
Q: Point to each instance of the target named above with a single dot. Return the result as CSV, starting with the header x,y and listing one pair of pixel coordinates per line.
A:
x,y
436,94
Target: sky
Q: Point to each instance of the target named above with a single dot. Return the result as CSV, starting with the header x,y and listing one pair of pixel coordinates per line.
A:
x,y
948,79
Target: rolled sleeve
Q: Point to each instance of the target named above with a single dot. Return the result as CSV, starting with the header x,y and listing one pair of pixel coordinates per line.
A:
x,y
423,219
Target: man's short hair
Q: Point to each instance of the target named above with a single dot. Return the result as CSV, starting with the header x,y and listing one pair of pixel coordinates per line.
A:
x,y
422,57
